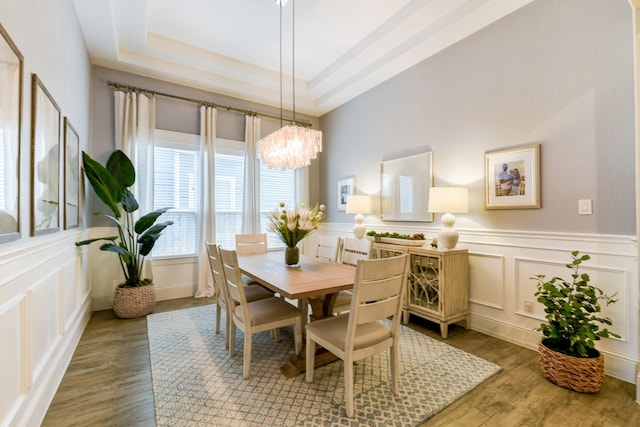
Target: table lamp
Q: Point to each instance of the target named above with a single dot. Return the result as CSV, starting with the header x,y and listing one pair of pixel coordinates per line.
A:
x,y
448,200
359,205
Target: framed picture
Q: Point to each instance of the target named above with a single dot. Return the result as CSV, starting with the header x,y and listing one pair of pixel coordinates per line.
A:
x,y
346,187
10,118
71,176
404,188
45,160
512,178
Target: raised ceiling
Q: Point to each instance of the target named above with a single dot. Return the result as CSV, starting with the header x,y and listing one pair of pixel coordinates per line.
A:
x,y
231,47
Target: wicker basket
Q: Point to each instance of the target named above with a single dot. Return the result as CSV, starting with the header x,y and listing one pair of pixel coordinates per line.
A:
x,y
134,302
584,375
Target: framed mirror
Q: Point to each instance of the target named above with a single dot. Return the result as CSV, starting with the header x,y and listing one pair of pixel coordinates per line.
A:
x,y
404,188
10,118
45,160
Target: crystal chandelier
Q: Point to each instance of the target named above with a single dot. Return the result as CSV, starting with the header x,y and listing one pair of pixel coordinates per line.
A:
x,y
292,146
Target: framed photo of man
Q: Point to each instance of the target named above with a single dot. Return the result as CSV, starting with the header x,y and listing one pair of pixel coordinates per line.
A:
x,y
512,178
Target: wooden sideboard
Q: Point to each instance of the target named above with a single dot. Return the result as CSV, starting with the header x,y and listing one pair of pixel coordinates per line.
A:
x,y
437,285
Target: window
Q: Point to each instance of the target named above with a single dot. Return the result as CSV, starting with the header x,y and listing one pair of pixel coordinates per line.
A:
x,y
176,184
275,186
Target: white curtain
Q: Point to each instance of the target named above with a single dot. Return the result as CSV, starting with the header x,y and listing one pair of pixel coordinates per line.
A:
x,y
208,116
302,187
9,103
135,122
251,191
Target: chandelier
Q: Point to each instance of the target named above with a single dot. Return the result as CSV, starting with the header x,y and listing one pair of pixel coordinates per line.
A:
x,y
292,146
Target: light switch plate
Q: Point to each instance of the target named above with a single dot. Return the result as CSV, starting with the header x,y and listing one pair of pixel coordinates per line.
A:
x,y
584,207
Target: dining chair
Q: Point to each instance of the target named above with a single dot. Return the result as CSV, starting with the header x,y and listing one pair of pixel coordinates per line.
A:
x,y
329,247
378,293
252,317
251,243
353,250
252,292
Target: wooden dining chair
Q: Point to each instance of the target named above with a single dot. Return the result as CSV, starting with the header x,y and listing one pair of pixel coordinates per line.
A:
x,y
251,244
329,247
252,317
353,250
378,293
252,292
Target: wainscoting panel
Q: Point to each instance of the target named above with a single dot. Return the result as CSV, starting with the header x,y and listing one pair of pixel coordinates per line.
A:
x,y
12,369
44,307
502,300
610,280
486,280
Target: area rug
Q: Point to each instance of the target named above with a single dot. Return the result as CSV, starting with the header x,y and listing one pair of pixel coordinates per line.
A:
x,y
196,383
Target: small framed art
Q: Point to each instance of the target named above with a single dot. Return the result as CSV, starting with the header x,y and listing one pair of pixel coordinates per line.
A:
x,y
512,178
71,176
346,187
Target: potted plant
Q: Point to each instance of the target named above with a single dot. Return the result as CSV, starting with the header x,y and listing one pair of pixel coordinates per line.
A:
x,y
291,226
136,296
567,352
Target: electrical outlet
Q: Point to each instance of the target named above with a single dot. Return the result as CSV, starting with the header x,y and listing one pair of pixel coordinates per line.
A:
x,y
528,307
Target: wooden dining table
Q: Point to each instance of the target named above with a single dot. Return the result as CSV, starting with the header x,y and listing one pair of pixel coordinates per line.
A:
x,y
315,280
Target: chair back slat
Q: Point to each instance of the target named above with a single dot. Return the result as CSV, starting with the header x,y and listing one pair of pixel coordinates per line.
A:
x,y
354,250
328,247
235,285
217,271
251,243
378,293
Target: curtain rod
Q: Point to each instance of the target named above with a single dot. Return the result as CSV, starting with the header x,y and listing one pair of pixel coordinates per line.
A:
x,y
201,102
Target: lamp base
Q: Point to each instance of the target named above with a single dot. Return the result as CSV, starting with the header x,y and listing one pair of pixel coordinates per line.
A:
x,y
359,231
448,238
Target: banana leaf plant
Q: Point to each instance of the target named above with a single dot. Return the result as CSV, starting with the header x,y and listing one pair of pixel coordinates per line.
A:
x,y
135,239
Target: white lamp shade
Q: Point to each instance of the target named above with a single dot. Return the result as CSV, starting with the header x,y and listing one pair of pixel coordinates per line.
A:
x,y
358,204
449,200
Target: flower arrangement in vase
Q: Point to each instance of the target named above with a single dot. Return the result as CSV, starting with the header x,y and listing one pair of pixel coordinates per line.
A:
x,y
291,226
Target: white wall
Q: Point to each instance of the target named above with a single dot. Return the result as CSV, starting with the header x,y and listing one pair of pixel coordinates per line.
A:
x,y
44,300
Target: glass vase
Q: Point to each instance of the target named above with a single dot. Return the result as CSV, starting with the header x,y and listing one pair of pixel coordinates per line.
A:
x,y
292,257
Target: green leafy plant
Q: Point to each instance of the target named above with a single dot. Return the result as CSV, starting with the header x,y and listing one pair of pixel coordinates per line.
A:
x,y
135,239
572,311
394,235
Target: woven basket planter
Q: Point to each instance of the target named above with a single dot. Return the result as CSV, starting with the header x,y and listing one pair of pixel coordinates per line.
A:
x,y
584,375
129,303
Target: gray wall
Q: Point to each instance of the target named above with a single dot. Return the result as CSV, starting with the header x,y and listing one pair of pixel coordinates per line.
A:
x,y
50,40
175,115
557,73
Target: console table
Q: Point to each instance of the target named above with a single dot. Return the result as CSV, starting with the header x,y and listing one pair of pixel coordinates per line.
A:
x,y
437,286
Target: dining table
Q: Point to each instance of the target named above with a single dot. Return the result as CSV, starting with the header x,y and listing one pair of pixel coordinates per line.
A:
x,y
315,281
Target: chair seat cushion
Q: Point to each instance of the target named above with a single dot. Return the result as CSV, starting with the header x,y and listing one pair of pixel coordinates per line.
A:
x,y
257,292
268,310
334,330
343,298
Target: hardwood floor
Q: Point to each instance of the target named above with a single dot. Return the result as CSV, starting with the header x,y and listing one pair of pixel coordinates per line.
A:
x,y
108,383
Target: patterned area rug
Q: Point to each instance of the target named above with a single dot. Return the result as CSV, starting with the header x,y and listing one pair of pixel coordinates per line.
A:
x,y
195,383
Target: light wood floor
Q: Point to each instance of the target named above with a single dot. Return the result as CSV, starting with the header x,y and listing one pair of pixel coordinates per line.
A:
x,y
108,383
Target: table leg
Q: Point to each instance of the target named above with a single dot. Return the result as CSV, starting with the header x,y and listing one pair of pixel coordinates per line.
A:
x,y
320,308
